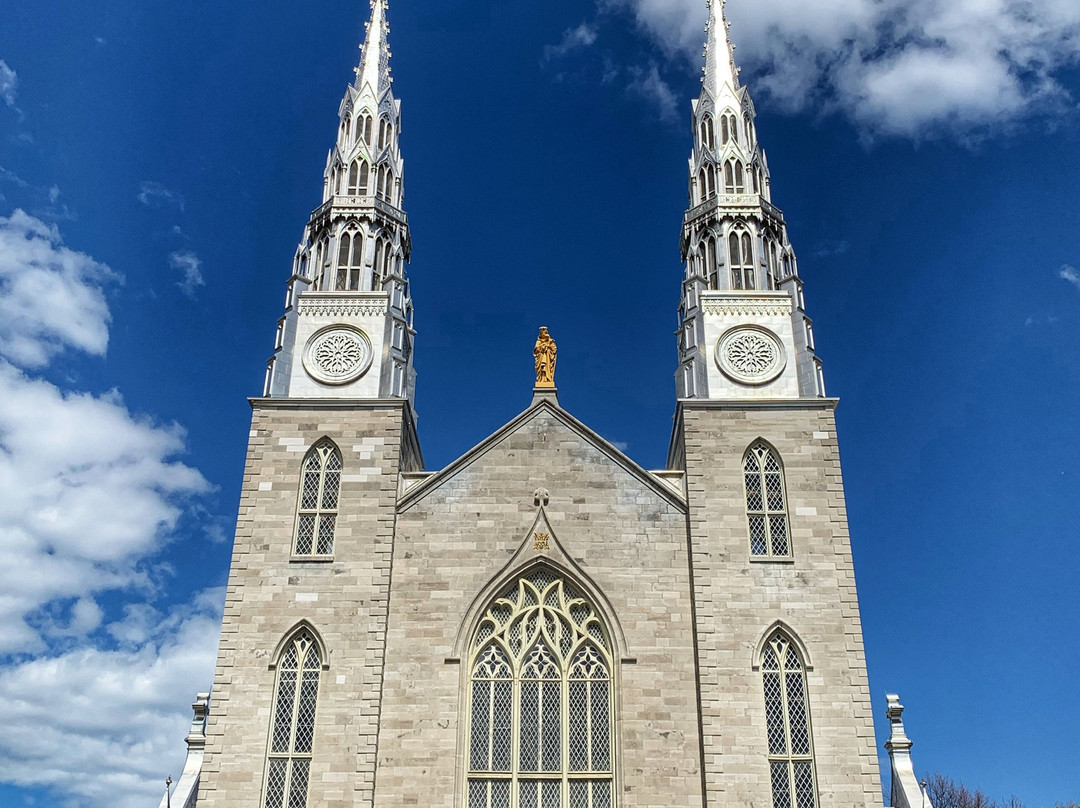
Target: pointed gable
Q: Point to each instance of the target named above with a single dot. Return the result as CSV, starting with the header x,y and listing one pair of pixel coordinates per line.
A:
x,y
545,446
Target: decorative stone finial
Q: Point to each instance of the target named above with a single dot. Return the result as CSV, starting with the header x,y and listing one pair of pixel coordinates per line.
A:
x,y
544,354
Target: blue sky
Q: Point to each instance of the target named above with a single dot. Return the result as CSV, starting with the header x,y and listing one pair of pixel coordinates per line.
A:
x,y
158,161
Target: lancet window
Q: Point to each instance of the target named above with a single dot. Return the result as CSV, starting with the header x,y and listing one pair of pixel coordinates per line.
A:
x,y
766,502
787,716
771,263
350,262
729,129
292,728
711,275
540,712
741,258
359,173
707,137
364,129
320,483
734,177
382,260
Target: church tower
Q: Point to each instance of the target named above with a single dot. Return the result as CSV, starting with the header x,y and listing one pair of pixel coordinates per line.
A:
x,y
785,700
303,633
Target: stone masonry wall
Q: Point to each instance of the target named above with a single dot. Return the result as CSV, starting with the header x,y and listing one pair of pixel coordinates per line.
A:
x,y
737,600
459,537
345,599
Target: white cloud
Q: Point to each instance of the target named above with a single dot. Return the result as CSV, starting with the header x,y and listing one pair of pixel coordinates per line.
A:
x,y
1070,274
157,196
574,38
98,492
648,84
902,67
191,266
105,727
9,84
92,493
50,296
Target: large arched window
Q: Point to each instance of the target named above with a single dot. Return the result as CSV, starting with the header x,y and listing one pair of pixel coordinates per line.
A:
x,y
766,502
350,262
787,716
316,518
741,260
540,718
292,727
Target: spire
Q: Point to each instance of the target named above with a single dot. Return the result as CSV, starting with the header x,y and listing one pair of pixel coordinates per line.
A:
x,y
347,331
374,66
742,290
719,52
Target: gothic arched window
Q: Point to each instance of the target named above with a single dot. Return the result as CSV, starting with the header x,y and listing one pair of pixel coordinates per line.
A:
x,y
771,264
711,274
350,262
707,140
734,177
364,128
320,483
292,727
787,716
540,714
358,178
741,256
382,255
766,502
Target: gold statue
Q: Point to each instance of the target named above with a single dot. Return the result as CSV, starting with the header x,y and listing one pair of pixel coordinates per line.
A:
x,y
544,352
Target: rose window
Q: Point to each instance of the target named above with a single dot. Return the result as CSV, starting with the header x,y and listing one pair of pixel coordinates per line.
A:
x,y
337,355
750,355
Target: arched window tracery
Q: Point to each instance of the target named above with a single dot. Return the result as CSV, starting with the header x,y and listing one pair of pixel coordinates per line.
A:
x,y
741,259
707,136
540,714
711,275
787,716
766,502
358,178
320,484
350,262
292,727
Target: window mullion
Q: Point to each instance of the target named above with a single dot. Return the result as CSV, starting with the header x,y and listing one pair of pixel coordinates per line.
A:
x,y
515,730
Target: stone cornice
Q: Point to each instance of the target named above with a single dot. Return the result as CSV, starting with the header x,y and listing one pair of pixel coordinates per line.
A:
x,y
343,304
761,304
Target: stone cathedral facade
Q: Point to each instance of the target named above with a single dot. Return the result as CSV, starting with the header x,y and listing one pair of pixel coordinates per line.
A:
x,y
543,623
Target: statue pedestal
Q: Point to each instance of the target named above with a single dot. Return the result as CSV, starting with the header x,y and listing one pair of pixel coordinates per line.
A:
x,y
545,394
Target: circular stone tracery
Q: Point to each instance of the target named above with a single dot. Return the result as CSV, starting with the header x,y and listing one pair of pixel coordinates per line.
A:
x,y
750,355
337,355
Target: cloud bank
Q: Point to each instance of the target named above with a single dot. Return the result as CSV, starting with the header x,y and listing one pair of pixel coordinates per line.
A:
x,y
94,677
911,68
